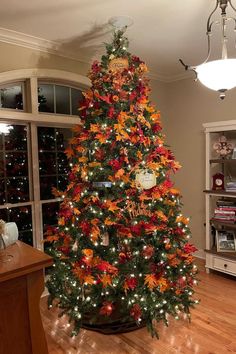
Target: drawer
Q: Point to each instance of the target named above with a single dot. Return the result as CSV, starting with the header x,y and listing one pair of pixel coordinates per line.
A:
x,y
224,265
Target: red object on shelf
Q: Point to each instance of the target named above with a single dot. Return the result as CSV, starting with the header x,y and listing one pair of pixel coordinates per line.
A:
x,y
218,181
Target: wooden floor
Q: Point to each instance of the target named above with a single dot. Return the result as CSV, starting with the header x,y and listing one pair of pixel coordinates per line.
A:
x,y
211,331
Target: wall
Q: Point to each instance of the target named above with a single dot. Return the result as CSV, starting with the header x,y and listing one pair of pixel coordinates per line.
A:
x,y
189,106
15,57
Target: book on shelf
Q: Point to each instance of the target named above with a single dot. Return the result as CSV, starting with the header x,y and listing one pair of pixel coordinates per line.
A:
x,y
226,202
223,220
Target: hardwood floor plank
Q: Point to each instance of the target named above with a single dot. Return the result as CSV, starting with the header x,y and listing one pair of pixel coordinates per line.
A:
x,y
212,329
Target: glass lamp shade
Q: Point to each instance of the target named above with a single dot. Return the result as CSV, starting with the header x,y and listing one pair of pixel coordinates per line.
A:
x,y
218,75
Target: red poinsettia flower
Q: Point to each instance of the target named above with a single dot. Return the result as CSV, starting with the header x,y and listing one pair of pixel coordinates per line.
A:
x,y
111,112
96,68
131,283
148,252
105,266
86,227
116,164
99,154
64,249
66,213
136,312
156,128
189,248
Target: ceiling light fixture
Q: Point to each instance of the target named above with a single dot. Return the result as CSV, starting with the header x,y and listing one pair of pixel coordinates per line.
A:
x,y
218,75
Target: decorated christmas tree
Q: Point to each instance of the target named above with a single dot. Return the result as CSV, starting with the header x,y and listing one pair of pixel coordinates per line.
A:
x,y
121,248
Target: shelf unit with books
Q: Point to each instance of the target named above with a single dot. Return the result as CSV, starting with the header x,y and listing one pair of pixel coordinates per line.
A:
x,y
220,202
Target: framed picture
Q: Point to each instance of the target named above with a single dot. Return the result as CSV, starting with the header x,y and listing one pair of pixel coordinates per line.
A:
x,y
225,241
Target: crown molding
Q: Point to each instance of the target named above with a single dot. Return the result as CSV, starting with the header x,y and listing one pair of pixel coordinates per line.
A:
x,y
36,43
169,78
53,47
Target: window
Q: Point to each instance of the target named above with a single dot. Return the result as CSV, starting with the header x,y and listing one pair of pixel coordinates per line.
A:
x,y
32,158
58,99
12,96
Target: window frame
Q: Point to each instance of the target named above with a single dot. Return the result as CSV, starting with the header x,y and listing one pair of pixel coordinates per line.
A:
x,y
32,117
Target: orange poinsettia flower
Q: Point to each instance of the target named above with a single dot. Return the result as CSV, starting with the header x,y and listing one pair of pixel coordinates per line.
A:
x,y
156,194
156,117
122,117
108,221
153,165
83,159
51,238
95,128
57,193
87,252
151,281
89,279
112,206
119,173
80,148
76,211
95,221
173,260
106,280
146,141
95,233
174,191
61,221
182,219
139,155
95,164
94,198
102,138
176,165
88,94
161,215
84,172
143,197
79,273
126,178
69,152
150,109
163,284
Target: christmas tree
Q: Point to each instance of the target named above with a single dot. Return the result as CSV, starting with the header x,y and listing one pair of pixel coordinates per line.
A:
x,y
121,244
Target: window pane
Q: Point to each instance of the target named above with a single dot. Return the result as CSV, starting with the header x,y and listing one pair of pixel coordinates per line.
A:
x,y
50,211
46,98
11,97
53,163
62,100
76,98
46,139
14,179
16,139
22,216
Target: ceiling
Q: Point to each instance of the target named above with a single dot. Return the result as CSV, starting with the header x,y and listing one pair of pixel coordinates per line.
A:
x,y
162,32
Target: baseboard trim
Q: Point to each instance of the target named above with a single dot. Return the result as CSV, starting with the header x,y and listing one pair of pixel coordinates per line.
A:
x,y
200,254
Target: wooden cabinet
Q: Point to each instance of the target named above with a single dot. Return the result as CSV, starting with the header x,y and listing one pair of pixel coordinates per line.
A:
x,y
220,201
21,285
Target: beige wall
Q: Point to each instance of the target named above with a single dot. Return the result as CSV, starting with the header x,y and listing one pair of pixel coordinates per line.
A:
x,y
189,106
15,57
